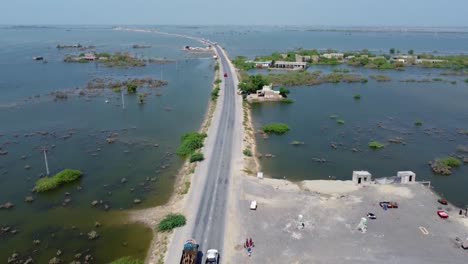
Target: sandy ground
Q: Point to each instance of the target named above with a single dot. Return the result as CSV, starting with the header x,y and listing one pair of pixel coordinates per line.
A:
x,y
331,211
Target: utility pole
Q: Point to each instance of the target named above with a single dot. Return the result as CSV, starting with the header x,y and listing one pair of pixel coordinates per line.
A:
x,y
123,101
44,149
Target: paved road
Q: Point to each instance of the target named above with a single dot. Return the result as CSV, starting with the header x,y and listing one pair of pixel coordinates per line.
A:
x,y
208,229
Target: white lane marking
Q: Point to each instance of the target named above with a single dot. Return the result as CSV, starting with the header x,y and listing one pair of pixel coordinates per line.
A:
x,y
424,230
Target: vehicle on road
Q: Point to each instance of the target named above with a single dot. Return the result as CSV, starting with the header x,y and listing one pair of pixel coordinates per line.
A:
x,y
442,214
212,256
225,74
190,252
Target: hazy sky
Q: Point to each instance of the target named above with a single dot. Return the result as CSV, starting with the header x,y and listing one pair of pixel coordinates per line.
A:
x,y
238,12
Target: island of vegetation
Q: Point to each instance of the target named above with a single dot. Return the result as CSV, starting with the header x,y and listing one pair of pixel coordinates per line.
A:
x,y
50,183
277,128
445,165
394,59
130,84
110,60
376,145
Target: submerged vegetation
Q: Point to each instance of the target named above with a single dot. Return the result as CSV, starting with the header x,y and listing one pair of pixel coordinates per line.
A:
x,y
357,96
170,222
375,145
50,183
418,123
118,59
277,128
191,142
131,85
340,121
380,77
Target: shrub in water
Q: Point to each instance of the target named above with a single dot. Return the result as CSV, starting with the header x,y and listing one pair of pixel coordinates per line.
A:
x,y
277,128
340,121
450,161
375,145
171,221
418,123
50,183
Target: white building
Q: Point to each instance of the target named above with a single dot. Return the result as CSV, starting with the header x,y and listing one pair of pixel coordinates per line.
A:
x,y
406,177
333,55
268,93
360,177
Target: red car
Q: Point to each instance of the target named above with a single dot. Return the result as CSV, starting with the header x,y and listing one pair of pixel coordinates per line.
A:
x,y
442,214
225,74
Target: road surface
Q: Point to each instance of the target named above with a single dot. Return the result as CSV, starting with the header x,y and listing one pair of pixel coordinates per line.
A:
x,y
208,198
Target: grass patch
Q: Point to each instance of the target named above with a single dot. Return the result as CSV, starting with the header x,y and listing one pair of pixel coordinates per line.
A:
x,y
450,162
357,96
340,121
418,123
375,145
437,79
127,260
170,222
187,187
198,156
217,81
287,100
277,128
191,141
247,152
50,183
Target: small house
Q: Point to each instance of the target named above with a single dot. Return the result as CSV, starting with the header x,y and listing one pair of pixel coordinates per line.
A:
x,y
89,56
290,65
339,56
360,177
406,177
268,93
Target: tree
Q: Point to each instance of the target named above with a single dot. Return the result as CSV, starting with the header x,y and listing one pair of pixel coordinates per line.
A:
x,y
392,51
283,91
410,52
131,87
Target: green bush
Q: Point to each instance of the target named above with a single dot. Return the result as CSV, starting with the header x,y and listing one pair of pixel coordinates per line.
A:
x,y
418,123
116,89
284,92
198,156
277,128
216,67
247,152
131,87
217,81
50,183
127,260
287,100
190,143
357,96
215,93
466,80
375,145
340,121
170,222
450,161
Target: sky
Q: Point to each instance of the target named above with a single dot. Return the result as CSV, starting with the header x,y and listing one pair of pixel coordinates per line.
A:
x,y
431,13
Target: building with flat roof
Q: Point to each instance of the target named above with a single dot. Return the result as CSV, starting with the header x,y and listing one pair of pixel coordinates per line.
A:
x,y
290,65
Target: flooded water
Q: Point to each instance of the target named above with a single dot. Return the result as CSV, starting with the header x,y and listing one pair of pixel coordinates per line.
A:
x,y
386,109
75,132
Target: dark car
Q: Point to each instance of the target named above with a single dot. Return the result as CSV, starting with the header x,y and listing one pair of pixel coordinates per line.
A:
x,y
225,74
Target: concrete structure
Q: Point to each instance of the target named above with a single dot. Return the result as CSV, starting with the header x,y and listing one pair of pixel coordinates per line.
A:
x,y
376,58
407,177
89,56
268,93
333,55
315,58
300,58
261,64
361,177
290,65
419,61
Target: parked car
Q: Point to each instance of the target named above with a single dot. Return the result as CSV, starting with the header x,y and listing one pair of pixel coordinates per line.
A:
x,y
225,74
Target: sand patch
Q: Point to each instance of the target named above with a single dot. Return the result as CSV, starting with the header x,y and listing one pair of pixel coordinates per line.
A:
x,y
395,190
329,187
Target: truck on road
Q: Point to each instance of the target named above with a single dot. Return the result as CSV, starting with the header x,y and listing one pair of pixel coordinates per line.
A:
x,y
190,252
